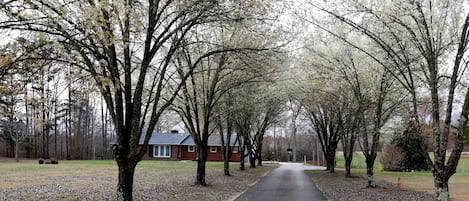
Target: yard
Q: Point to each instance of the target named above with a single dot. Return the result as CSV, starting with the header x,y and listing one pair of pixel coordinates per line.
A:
x,y
409,181
97,180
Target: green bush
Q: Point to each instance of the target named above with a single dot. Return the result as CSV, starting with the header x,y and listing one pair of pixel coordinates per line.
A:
x,y
410,144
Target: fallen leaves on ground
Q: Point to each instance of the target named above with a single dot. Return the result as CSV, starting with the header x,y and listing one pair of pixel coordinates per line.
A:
x,y
97,183
336,186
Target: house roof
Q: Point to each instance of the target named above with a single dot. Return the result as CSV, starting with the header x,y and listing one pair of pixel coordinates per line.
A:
x,y
213,140
166,138
182,139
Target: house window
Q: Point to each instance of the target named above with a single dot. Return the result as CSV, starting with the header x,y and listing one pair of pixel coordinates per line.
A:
x,y
191,148
235,150
213,149
163,151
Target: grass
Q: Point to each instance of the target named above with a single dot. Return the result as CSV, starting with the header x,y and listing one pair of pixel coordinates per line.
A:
x,y
97,180
419,181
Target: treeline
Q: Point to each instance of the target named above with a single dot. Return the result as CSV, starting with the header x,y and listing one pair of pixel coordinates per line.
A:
x,y
49,110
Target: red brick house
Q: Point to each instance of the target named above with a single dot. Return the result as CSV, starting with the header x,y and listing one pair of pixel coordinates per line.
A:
x,y
181,146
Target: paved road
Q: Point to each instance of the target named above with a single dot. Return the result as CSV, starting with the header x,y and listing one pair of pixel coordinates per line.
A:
x,y
288,182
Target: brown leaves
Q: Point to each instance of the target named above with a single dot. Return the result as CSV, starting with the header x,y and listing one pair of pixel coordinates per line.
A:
x,y
96,180
337,187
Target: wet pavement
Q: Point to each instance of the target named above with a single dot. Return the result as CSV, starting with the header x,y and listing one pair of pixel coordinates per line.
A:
x,y
289,182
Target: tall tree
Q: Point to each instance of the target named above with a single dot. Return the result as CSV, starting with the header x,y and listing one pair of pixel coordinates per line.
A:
x,y
126,47
271,106
420,34
225,125
221,67
11,121
325,114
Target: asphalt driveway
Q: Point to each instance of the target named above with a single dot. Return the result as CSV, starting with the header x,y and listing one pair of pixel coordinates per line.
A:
x,y
288,182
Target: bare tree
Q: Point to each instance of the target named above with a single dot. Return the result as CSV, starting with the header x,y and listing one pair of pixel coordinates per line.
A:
x,y
219,70
269,110
224,121
325,114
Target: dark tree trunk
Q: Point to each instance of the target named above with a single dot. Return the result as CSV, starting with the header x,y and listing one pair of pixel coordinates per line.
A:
x,y
441,185
259,149
370,161
330,161
45,147
17,150
126,179
241,163
348,164
55,134
252,159
348,155
242,150
67,137
241,157
226,148
201,164
259,158
227,154
226,162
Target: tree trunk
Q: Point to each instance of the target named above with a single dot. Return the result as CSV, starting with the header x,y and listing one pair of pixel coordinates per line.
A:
x,y
55,135
370,173
17,150
241,163
347,168
201,165
252,160
348,164
348,155
226,148
441,186
259,149
226,158
226,164
126,180
330,160
331,163
259,158
241,158
294,136
67,137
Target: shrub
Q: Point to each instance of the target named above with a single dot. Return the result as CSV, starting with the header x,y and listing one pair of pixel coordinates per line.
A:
x,y
411,145
392,157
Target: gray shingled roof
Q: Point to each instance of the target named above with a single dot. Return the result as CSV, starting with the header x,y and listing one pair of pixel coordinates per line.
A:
x,y
166,138
181,139
213,140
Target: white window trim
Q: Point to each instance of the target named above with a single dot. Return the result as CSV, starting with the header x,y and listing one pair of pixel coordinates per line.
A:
x,y
191,148
162,151
213,150
235,149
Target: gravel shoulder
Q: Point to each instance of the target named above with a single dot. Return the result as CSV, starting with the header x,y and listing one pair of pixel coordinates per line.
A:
x,y
335,186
